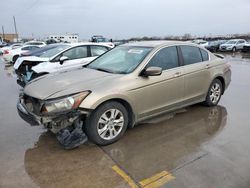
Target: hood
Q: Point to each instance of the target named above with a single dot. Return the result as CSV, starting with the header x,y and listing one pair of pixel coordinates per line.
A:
x,y
29,58
67,83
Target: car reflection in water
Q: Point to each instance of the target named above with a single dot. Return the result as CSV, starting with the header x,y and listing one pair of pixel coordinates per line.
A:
x,y
145,150
167,145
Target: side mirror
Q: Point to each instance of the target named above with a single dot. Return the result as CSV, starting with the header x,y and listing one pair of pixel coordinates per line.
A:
x,y
152,71
62,59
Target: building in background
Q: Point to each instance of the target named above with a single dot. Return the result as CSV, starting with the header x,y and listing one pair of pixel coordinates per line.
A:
x,y
71,38
9,37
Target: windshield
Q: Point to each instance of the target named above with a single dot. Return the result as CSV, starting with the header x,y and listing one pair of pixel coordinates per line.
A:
x,y
50,51
123,59
231,42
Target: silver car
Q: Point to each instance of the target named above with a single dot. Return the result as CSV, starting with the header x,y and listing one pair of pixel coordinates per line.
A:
x,y
126,85
233,45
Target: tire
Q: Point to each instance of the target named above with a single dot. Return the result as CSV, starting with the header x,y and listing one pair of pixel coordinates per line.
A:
x,y
234,49
214,93
15,58
101,118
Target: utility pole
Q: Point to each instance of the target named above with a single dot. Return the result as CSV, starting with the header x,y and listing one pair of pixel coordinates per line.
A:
x,y
3,33
15,27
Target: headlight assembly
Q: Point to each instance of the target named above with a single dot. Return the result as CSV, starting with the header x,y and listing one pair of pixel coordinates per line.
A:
x,y
64,104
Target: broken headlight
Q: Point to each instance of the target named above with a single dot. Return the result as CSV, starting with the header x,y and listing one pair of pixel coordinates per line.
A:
x,y
64,104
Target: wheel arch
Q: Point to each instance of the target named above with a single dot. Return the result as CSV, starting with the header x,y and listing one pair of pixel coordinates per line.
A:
x,y
222,80
130,109
15,56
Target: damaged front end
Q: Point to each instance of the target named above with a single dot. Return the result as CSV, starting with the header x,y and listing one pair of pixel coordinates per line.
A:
x,y
24,72
61,116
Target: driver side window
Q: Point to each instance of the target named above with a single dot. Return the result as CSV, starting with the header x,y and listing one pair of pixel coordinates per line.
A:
x,y
166,58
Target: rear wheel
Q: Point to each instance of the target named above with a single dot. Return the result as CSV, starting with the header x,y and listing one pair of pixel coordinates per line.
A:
x,y
107,123
15,58
214,93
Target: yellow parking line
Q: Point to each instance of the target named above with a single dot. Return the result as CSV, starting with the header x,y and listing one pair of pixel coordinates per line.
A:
x,y
160,182
157,180
125,176
153,178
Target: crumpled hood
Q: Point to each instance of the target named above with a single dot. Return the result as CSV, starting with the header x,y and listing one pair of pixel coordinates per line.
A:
x,y
67,83
29,58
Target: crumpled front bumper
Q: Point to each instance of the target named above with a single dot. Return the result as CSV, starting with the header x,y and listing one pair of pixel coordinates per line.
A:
x,y
27,116
35,120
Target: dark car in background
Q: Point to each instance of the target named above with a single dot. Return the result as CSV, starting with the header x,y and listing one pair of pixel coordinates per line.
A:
x,y
246,47
213,46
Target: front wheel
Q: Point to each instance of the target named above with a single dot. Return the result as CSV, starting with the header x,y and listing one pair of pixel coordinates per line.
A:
x,y
107,123
214,93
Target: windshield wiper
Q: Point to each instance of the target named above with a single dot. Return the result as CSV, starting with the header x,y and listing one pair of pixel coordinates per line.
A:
x,y
104,70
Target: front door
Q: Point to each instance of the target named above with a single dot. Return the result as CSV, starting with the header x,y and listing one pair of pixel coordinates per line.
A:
x,y
77,57
156,94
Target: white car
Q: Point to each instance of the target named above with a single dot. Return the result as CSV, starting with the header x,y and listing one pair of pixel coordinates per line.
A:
x,y
36,43
60,58
11,47
200,42
233,45
12,55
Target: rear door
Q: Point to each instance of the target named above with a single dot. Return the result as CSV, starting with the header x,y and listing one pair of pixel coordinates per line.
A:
x,y
196,73
96,50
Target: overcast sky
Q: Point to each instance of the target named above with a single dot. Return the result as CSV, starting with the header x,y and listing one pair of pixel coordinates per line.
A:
x,y
127,18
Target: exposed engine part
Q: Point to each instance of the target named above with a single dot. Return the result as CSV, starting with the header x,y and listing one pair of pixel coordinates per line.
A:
x,y
71,139
55,127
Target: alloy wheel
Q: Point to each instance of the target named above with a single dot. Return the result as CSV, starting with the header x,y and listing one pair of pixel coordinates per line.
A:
x,y
110,124
215,93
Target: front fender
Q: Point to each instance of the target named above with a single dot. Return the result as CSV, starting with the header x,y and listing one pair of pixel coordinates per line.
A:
x,y
94,100
42,67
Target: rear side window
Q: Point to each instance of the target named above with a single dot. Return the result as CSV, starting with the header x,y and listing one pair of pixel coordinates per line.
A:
x,y
166,58
191,55
204,54
98,50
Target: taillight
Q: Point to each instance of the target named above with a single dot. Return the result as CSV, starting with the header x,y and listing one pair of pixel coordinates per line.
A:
x,y
6,52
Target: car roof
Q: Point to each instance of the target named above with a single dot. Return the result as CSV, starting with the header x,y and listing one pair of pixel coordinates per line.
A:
x,y
155,43
236,39
87,43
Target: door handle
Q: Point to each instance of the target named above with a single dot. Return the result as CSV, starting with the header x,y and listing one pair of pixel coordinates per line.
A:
x,y
207,66
177,74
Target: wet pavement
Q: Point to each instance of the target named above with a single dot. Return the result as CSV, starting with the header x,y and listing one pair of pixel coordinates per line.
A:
x,y
198,146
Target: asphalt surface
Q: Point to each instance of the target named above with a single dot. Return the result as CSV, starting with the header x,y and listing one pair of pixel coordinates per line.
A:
x,y
195,147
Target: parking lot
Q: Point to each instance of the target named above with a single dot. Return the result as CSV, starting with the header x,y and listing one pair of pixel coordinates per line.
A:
x,y
194,147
